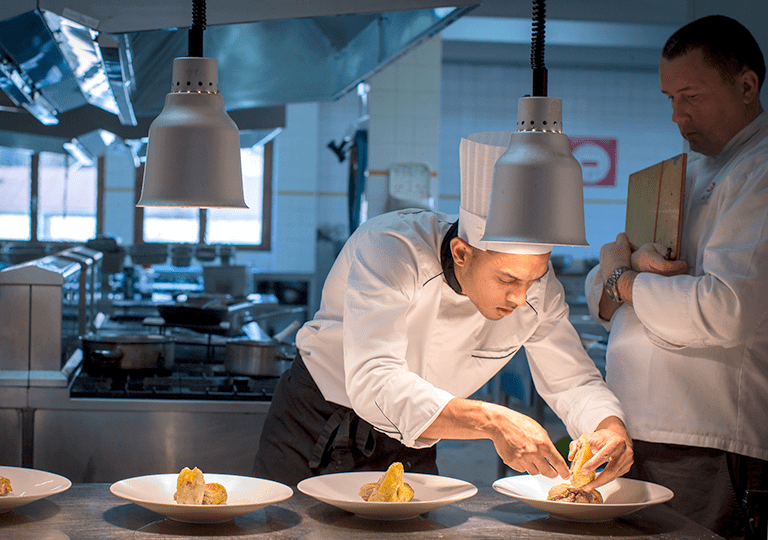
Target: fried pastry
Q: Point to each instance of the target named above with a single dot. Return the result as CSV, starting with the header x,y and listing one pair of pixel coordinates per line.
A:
x,y
190,486
214,494
571,491
5,486
389,488
568,493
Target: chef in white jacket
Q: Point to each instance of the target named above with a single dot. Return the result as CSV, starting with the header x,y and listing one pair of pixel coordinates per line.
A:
x,y
417,314
688,348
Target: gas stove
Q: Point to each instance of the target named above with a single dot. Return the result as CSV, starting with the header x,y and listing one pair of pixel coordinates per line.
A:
x,y
174,384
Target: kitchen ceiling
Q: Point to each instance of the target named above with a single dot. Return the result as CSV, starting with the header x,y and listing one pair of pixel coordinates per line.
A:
x,y
69,67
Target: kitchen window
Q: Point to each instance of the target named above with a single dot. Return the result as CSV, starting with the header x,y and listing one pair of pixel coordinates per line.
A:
x,y
47,197
244,228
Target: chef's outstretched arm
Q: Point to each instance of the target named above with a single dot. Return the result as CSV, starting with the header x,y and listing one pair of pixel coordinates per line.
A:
x,y
519,440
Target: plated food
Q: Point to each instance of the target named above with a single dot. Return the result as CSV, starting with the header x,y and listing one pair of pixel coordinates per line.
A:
x,y
29,485
5,486
342,490
621,497
389,488
572,491
192,489
244,494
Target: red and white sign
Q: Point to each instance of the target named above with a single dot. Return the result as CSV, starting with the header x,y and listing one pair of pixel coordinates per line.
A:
x,y
597,158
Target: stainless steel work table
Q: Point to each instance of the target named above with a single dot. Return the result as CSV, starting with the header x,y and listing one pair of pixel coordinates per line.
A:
x,y
91,512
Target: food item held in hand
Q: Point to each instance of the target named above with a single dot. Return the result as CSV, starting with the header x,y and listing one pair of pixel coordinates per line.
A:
x,y
571,491
5,486
192,489
389,488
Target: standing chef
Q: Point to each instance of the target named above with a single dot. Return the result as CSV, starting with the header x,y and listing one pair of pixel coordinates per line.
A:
x,y
416,315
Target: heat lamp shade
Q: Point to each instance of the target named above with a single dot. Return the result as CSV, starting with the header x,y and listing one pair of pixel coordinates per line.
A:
x,y
193,155
537,194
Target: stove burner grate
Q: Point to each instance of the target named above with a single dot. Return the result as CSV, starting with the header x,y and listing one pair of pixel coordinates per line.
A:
x,y
174,385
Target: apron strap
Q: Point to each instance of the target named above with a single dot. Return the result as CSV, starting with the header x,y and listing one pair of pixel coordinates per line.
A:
x,y
336,431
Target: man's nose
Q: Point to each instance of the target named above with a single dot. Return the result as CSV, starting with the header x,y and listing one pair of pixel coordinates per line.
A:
x,y
517,295
679,113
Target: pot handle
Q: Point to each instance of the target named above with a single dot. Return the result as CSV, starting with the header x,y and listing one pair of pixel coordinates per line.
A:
x,y
282,334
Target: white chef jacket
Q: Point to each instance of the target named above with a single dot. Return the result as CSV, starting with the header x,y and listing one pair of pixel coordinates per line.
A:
x,y
690,361
395,342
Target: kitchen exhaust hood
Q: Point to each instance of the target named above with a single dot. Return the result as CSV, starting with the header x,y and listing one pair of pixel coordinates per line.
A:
x,y
70,67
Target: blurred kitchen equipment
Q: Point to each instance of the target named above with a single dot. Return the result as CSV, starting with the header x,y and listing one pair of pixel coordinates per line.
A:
x,y
21,252
147,254
107,353
226,254
260,357
410,185
213,314
205,253
39,310
181,254
90,262
236,281
114,255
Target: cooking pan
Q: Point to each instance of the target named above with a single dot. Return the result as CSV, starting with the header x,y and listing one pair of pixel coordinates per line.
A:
x,y
262,356
108,352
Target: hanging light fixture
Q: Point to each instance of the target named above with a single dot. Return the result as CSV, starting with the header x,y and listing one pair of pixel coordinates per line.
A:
x,y
537,194
193,153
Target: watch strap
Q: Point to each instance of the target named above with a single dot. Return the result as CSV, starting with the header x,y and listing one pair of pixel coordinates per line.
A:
x,y
611,284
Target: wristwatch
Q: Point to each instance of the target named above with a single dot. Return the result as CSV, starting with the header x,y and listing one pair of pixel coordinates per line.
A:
x,y
611,284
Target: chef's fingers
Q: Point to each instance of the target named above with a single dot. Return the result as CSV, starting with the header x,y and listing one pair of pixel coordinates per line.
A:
x,y
615,468
619,462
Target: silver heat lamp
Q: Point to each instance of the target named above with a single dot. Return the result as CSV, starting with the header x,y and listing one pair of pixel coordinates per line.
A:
x,y
193,153
537,195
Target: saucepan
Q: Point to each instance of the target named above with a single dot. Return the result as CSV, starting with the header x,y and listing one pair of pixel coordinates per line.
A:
x,y
109,352
262,356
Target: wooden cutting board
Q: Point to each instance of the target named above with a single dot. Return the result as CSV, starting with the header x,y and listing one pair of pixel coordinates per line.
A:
x,y
655,204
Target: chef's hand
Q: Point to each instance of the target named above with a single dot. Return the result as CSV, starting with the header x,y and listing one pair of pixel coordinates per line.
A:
x,y
614,255
525,446
652,257
610,444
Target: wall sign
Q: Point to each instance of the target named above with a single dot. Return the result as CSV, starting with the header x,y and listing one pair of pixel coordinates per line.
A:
x,y
597,158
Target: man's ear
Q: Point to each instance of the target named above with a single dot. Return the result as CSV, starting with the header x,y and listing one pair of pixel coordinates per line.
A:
x,y
461,251
750,87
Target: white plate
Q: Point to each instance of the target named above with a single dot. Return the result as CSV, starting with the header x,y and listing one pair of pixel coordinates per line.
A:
x,y
244,495
621,497
30,485
429,493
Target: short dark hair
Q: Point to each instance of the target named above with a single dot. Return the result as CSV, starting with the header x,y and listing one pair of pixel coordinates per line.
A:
x,y
727,45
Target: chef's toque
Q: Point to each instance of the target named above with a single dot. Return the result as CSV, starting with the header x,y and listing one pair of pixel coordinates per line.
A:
x,y
477,156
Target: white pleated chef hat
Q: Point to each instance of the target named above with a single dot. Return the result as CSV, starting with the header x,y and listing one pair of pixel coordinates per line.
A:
x,y
477,156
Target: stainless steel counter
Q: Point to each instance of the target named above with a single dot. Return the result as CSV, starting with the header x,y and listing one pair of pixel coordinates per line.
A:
x,y
91,512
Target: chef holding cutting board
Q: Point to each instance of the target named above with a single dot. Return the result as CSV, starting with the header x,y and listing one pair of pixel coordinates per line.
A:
x,y
417,314
688,347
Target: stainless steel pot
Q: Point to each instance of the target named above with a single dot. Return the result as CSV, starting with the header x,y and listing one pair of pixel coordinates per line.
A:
x,y
250,357
127,352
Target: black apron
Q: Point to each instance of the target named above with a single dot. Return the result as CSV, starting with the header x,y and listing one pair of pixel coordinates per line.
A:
x,y
304,435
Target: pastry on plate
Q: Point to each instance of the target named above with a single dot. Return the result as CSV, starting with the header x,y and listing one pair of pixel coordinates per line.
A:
x,y
190,487
389,488
214,494
5,486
